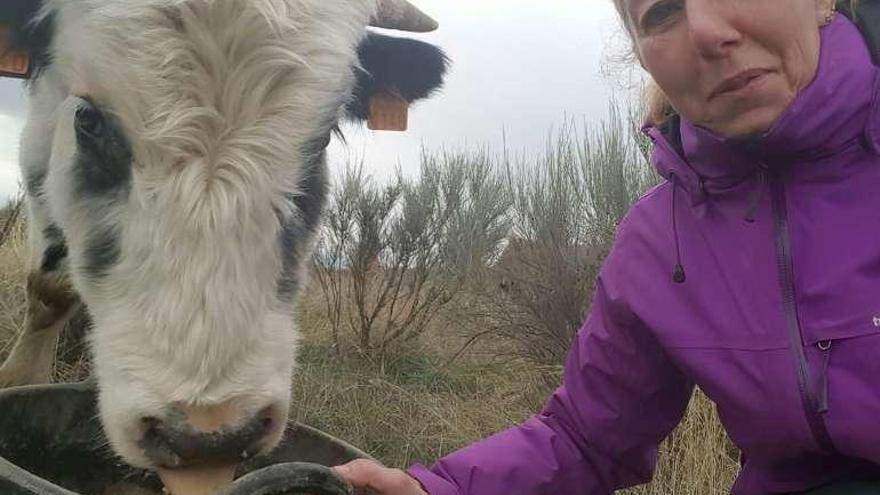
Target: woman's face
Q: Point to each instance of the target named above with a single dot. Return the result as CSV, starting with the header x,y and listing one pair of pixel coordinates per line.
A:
x,y
732,66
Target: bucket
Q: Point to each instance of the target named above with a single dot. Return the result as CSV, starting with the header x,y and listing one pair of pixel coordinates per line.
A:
x,y
52,443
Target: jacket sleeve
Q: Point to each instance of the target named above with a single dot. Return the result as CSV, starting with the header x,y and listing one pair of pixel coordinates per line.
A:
x,y
600,431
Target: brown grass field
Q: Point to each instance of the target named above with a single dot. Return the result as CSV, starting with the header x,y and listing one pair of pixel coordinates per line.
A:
x,y
419,404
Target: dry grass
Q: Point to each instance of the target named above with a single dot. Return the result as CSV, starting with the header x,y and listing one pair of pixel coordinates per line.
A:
x,y
13,256
72,364
698,458
417,405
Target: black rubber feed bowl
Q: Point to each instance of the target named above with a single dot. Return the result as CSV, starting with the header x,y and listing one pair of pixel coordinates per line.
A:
x,y
51,443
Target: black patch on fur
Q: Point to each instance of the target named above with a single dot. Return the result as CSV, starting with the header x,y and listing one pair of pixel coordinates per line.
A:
x,y
53,234
33,181
301,227
53,256
102,252
104,159
411,68
57,250
28,34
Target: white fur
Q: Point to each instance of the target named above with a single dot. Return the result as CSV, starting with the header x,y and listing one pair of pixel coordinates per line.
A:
x,y
217,98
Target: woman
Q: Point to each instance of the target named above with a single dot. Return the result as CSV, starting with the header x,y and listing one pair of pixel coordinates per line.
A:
x,y
752,272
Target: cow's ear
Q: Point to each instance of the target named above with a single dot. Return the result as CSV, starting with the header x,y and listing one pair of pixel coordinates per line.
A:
x,y
25,34
395,72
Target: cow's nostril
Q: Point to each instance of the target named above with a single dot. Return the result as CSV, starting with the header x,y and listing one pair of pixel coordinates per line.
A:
x,y
150,427
157,444
149,421
267,423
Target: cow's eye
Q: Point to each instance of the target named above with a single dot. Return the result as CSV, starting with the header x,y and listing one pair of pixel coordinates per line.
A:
x,y
103,154
89,122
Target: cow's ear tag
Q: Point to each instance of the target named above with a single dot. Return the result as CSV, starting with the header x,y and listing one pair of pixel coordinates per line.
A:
x,y
13,63
388,112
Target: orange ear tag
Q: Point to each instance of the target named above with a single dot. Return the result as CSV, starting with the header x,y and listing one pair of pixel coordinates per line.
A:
x,y
13,63
388,112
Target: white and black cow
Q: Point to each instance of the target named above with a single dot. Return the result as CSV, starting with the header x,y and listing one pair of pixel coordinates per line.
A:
x,y
174,162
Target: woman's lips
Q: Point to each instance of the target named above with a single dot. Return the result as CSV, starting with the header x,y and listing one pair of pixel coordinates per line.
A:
x,y
742,81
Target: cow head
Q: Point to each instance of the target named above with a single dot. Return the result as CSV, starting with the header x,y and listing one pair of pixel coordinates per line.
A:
x,y
177,147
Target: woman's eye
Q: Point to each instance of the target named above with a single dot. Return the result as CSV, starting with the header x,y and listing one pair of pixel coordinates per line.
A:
x,y
661,14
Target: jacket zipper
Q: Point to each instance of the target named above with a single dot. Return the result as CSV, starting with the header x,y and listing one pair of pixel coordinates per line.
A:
x,y
822,384
813,405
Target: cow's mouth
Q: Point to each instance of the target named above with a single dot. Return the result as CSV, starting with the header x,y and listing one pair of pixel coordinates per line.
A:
x,y
200,480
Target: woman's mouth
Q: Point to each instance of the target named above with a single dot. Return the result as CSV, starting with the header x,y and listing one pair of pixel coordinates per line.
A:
x,y
740,83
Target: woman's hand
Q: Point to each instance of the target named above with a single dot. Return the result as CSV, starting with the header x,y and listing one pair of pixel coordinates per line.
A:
x,y
369,477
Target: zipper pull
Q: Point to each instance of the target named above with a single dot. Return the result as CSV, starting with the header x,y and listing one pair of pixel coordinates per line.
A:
x,y
825,347
757,194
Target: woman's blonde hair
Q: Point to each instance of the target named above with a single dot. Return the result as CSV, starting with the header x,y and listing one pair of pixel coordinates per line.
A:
x,y
658,109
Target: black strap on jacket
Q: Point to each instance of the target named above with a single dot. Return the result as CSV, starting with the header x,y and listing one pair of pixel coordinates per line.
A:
x,y
867,18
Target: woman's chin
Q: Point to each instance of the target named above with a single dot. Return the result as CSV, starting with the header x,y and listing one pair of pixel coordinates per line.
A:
x,y
741,118
752,123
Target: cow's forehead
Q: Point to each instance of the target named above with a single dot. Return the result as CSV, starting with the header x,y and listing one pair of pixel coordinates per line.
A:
x,y
195,77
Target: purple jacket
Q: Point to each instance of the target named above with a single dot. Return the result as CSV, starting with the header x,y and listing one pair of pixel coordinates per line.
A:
x,y
777,318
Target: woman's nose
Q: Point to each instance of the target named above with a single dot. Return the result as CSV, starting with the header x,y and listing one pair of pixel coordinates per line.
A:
x,y
712,27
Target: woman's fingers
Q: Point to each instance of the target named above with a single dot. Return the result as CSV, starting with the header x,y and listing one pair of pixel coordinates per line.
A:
x,y
370,477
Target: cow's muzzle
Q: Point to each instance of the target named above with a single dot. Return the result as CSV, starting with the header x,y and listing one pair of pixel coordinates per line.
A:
x,y
180,440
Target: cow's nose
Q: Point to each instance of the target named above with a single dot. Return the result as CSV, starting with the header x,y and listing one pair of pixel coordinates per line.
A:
x,y
206,435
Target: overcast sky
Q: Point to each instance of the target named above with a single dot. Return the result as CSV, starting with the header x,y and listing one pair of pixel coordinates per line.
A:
x,y
519,68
